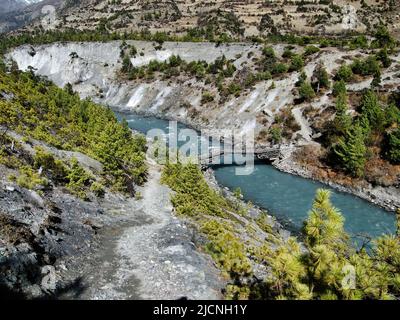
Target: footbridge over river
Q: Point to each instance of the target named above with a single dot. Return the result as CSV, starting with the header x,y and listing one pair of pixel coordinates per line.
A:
x,y
261,153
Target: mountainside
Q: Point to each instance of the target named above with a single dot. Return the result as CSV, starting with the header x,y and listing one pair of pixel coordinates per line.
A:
x,y
83,205
13,5
233,17
286,94
18,13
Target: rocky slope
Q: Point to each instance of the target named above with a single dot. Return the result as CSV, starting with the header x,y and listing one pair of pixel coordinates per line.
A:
x,y
18,13
237,18
50,242
54,245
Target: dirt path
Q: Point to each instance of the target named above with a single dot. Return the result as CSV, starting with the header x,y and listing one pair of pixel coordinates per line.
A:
x,y
151,255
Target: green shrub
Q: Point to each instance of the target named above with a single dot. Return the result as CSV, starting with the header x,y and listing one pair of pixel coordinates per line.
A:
x,y
321,77
297,63
269,52
207,97
367,67
226,249
306,91
78,179
371,109
359,42
193,196
133,51
351,151
98,189
30,179
302,78
383,39
288,53
276,134
309,50
237,193
138,195
45,160
393,153
339,88
234,88
384,58
344,73
127,66
279,68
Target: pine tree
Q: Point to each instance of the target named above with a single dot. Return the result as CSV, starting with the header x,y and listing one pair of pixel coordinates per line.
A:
x,y
376,82
339,88
351,151
371,109
343,120
8,117
324,225
393,152
344,73
287,273
302,79
306,91
127,64
2,65
383,57
383,38
320,78
327,244
297,63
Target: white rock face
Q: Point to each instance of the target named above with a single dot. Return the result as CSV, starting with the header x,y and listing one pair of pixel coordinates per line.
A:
x,y
350,20
71,63
92,69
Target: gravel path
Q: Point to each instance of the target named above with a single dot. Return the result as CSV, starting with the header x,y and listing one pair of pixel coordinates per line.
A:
x,y
152,256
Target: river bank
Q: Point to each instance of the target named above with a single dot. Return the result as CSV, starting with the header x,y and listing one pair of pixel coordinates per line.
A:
x,y
385,197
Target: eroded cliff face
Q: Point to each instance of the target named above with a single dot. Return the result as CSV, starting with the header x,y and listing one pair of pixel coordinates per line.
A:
x,y
93,70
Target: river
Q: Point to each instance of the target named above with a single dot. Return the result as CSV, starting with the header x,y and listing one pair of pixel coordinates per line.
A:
x,y
287,197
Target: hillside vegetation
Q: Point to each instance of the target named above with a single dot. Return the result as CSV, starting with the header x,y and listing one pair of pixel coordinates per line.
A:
x,y
35,108
324,266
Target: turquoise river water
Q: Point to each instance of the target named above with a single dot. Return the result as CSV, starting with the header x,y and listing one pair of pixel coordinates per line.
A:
x,y
285,196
